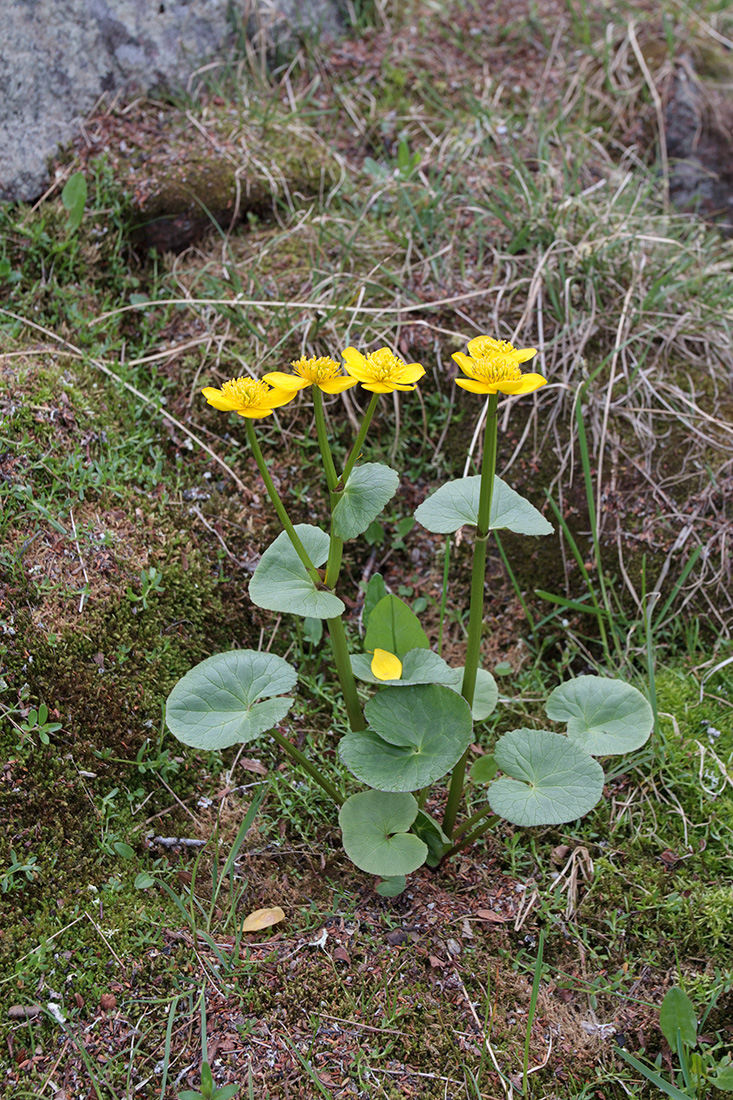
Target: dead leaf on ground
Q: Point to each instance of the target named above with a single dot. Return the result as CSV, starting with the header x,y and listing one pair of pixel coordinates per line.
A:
x,y
251,765
263,918
490,915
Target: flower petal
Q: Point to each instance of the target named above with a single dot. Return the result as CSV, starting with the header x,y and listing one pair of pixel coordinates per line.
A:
x,y
276,398
338,385
474,386
254,413
218,400
523,354
526,384
354,358
385,387
464,363
284,381
411,372
385,666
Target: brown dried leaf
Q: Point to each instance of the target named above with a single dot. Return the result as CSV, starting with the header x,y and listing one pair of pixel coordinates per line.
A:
x,y
251,765
263,918
490,915
24,1012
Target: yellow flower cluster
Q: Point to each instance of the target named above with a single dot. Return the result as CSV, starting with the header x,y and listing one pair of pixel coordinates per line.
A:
x,y
491,366
380,372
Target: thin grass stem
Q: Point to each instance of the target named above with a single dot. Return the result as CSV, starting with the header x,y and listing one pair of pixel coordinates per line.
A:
x,y
301,759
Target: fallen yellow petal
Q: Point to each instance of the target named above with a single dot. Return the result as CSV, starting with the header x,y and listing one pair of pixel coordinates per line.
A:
x,y
385,666
263,918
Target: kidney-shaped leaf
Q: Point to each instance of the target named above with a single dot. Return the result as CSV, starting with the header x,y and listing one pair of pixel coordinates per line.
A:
x,y
456,503
281,582
404,717
391,887
392,626
419,666
367,491
374,827
605,717
416,735
548,779
217,703
485,693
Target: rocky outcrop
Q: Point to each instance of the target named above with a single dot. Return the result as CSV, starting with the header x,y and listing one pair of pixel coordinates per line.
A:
x,y
699,136
57,57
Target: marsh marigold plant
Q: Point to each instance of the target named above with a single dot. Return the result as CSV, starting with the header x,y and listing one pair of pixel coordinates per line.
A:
x,y
416,719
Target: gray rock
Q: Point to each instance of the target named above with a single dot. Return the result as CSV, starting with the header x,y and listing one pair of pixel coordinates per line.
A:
x,y
57,57
698,126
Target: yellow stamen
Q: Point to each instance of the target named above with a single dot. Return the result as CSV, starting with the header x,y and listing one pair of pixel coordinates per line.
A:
x,y
482,347
246,391
385,365
496,368
316,369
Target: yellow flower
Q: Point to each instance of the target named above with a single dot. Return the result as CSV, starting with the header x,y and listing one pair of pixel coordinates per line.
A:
x,y
322,372
385,666
382,371
247,397
492,366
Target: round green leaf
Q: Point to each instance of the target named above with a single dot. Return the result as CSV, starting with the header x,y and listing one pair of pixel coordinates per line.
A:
x,y
485,693
484,769
605,717
419,666
405,717
374,827
416,735
367,491
456,503
724,1079
392,626
281,582
548,779
217,704
391,887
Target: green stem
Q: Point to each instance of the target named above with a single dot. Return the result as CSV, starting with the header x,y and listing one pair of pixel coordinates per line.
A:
x,y
336,546
466,840
444,597
476,615
326,456
301,759
333,565
470,821
356,449
279,507
345,673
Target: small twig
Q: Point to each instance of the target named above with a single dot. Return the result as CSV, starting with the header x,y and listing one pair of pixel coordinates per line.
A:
x,y
85,593
175,841
108,945
173,794
505,1082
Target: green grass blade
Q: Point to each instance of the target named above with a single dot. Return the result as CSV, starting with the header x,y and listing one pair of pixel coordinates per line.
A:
x,y
665,1086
